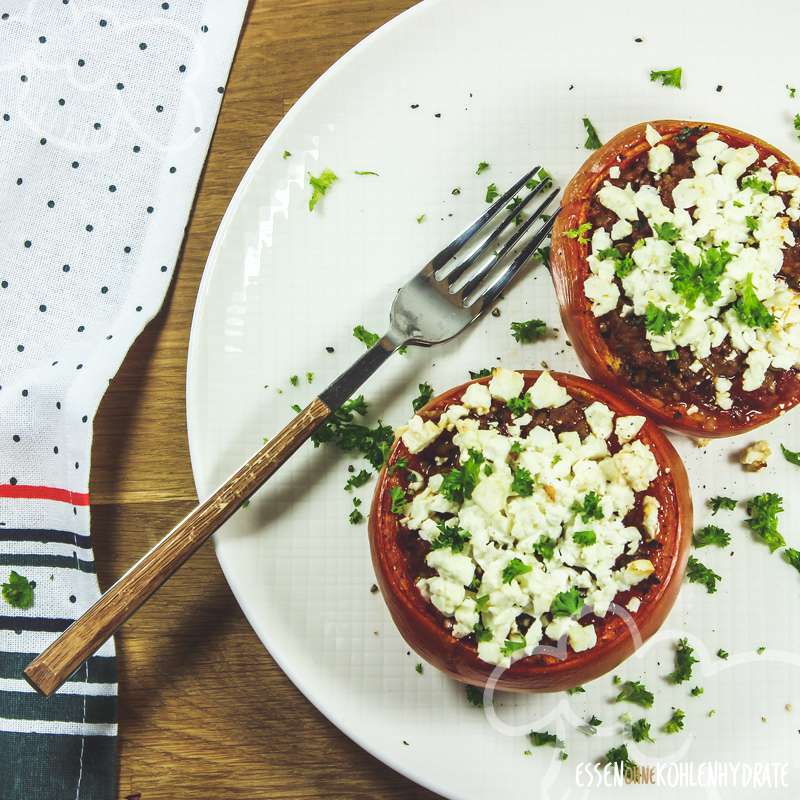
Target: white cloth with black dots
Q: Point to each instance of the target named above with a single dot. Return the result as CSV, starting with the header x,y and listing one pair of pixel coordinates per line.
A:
x,y
106,114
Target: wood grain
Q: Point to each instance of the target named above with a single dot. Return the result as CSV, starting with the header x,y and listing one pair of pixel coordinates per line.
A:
x,y
204,711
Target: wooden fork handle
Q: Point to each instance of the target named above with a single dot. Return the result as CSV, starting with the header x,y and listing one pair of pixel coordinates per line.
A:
x,y
50,670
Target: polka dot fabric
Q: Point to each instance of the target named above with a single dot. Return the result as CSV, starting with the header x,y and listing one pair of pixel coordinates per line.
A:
x,y
106,113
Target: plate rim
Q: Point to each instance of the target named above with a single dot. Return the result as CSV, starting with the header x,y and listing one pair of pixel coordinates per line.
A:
x,y
191,425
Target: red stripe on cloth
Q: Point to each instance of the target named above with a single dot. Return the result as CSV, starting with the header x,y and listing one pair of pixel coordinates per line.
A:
x,y
44,493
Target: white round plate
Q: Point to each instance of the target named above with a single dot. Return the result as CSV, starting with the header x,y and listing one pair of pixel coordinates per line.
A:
x,y
422,101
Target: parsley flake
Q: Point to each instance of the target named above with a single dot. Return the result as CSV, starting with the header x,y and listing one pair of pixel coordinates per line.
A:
x,y
522,483
618,757
635,692
450,536
763,521
18,591
684,659
364,172
482,167
640,731
529,331
398,496
511,646
519,405
668,77
481,373
565,604
576,690
589,508
722,503
757,185
320,186
723,654
514,569
750,310
367,338
286,154
475,696
425,394
697,572
711,534
792,456
592,139
358,479
542,738
659,320
491,193
675,722
460,482
579,233
584,538
667,232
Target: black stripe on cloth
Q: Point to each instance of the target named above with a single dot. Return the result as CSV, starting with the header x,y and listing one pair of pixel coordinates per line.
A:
x,y
59,707
102,669
50,562
37,766
18,624
44,536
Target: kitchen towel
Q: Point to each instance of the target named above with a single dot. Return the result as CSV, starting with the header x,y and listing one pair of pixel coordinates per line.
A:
x,y
106,114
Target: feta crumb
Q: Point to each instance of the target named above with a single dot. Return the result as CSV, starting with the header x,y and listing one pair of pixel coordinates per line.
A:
x,y
506,384
634,604
417,435
628,427
614,172
477,397
652,135
660,158
547,393
755,457
650,509
600,419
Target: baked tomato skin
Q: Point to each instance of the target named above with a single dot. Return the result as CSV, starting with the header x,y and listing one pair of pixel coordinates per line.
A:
x,y
569,271
618,635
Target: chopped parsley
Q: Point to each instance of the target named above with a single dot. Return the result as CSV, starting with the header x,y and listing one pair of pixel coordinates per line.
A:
x,y
618,756
309,377
590,508
752,223
419,669
363,172
667,232
400,464
797,124
286,154
696,691
529,331
697,572
675,722
545,548
757,184
296,408
590,728
635,692
692,280
482,167
522,483
579,233
425,394
542,738
791,91
720,502
482,633
640,731
576,690
481,373
294,380
584,538
450,536
420,219
320,186
342,430
792,556
491,193
711,534
511,646
514,569
761,650
398,496
723,654
460,482
659,320
592,139
367,338
475,696
565,604
18,591
519,405
355,515
357,479
750,310
542,176
684,660
792,456
623,265
668,77
763,521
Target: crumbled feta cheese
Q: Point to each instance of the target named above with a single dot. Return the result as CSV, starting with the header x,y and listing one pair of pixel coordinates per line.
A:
x,y
477,397
613,172
755,457
519,550
628,427
505,384
621,201
634,604
417,435
650,509
660,158
652,136
621,229
547,393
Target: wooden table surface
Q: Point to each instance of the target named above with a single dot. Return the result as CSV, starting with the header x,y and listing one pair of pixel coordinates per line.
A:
x,y
204,711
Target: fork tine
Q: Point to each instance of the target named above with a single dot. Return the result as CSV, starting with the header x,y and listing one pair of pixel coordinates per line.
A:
x,y
439,260
490,294
462,267
473,283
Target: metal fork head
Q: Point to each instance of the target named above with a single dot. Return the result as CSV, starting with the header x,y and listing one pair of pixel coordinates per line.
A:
x,y
449,293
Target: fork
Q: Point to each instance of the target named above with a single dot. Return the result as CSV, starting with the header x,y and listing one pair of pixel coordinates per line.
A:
x,y
439,302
